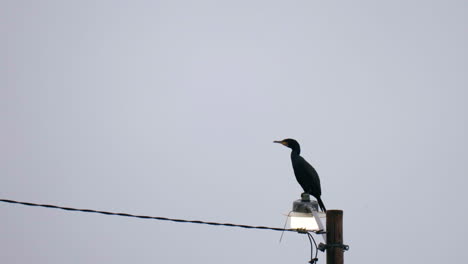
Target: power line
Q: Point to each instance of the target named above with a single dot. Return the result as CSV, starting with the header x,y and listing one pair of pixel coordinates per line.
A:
x,y
299,230
153,217
315,259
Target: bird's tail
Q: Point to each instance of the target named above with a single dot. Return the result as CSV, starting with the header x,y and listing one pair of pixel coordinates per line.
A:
x,y
322,206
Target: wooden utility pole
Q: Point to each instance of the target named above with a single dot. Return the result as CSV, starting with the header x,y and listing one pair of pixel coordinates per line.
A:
x,y
335,247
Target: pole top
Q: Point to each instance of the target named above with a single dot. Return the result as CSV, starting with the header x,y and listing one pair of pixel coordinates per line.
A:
x,y
334,212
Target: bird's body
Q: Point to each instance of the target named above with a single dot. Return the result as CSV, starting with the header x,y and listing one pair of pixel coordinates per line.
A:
x,y
306,175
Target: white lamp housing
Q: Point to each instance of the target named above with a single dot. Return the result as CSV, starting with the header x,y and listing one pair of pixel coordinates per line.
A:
x,y
305,215
305,221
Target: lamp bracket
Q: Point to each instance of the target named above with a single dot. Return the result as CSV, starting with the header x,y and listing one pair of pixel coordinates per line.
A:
x,y
302,231
322,247
305,231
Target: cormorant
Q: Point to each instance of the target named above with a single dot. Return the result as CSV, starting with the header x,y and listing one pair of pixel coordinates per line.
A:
x,y
306,175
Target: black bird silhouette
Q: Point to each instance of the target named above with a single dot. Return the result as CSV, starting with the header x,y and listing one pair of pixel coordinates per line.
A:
x,y
306,175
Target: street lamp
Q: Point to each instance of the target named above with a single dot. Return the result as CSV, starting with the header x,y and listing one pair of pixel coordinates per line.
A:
x,y
305,215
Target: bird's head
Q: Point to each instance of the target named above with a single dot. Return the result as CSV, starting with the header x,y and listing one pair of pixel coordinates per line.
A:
x,y
290,143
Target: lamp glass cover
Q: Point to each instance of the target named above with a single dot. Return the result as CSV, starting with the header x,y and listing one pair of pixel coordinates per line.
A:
x,y
303,221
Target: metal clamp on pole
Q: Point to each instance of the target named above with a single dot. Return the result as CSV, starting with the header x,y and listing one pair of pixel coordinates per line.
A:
x,y
322,247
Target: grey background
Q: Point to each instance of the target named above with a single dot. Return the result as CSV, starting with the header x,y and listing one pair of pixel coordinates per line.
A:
x,y
169,108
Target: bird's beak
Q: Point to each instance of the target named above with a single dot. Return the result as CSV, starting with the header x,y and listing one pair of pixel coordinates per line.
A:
x,y
281,142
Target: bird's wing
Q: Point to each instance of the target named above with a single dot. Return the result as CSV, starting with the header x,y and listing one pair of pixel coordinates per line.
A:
x,y
312,178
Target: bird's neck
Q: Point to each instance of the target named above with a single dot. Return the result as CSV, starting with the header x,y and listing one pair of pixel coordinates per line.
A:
x,y
295,152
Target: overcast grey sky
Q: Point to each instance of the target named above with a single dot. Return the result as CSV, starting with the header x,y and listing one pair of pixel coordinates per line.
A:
x,y
169,108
